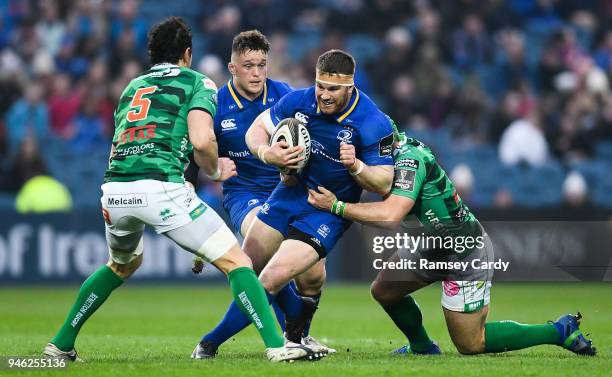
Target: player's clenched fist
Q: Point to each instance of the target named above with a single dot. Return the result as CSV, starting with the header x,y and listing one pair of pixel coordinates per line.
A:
x,y
227,168
347,155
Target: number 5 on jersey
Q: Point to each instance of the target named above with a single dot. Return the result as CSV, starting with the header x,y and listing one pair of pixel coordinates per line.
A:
x,y
142,104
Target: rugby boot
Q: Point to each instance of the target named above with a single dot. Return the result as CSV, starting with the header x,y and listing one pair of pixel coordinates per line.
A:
x,y
570,336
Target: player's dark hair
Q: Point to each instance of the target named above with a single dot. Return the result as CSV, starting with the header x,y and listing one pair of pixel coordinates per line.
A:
x,y
336,61
168,41
252,40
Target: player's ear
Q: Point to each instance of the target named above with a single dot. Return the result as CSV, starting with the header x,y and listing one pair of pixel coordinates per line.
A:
x,y
231,67
187,56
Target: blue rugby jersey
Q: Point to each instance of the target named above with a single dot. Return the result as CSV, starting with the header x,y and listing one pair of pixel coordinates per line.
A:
x,y
361,123
234,117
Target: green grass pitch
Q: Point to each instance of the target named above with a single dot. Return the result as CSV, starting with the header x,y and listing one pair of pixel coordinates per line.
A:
x,y
151,331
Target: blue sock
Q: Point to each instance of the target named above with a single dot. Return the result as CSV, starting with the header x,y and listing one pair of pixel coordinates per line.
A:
x,y
289,300
235,321
232,323
280,316
317,298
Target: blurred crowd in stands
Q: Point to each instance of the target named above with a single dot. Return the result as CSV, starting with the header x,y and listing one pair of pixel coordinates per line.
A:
x,y
514,95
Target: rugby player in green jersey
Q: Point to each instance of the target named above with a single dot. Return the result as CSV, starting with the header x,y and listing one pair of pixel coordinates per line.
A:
x,y
163,115
422,188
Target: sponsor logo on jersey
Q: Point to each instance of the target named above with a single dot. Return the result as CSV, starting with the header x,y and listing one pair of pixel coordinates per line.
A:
x,y
473,306
318,148
265,208
385,145
252,202
228,124
134,150
244,153
168,72
166,213
456,197
323,230
126,200
106,216
451,288
199,210
461,213
301,117
434,220
271,99
209,84
404,180
407,162
137,133
345,136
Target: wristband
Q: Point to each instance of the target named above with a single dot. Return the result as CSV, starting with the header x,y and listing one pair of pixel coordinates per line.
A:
x,y
215,176
334,205
262,155
359,169
338,208
341,208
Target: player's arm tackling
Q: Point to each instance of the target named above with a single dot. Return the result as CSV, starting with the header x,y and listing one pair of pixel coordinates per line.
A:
x,y
387,213
205,152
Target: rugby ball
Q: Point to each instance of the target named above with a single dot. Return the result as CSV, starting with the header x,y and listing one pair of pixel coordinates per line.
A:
x,y
294,133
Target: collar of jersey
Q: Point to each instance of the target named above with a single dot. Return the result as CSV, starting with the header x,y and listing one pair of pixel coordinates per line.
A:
x,y
238,98
351,106
163,65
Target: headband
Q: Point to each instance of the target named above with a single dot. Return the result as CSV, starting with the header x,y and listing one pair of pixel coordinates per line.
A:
x,y
334,78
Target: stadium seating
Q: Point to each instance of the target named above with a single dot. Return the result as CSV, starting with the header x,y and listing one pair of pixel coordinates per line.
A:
x,y
529,187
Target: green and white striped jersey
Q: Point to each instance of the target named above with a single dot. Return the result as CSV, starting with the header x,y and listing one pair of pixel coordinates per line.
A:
x,y
151,136
437,204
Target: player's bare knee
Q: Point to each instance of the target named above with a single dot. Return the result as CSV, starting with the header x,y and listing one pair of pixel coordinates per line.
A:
x,y
234,258
258,262
375,291
243,260
266,282
309,290
270,279
310,285
124,271
382,294
257,254
469,347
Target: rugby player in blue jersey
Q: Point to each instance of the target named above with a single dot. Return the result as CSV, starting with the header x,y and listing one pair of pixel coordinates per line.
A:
x,y
351,150
248,93
352,143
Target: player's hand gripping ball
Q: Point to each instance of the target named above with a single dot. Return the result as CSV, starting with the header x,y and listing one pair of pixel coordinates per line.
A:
x,y
290,146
